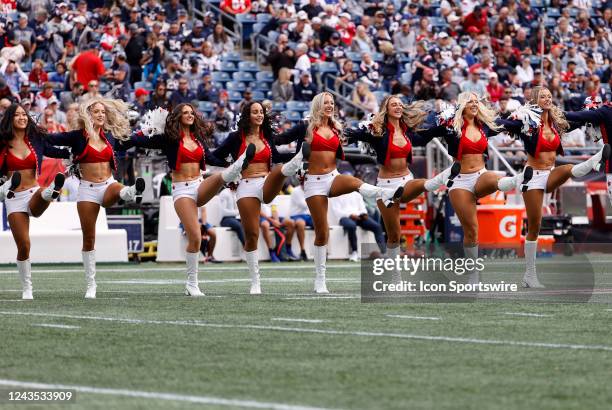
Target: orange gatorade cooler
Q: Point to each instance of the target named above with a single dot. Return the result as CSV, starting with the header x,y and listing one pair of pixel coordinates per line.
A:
x,y
500,224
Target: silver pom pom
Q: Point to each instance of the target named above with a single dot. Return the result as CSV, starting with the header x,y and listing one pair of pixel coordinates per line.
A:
x,y
154,122
529,115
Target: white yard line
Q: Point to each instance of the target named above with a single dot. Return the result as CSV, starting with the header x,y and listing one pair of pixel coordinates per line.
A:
x,y
55,326
203,268
415,317
12,300
527,314
450,339
314,297
219,401
136,281
287,319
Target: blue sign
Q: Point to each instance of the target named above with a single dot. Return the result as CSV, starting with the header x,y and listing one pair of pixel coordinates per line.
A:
x,y
134,226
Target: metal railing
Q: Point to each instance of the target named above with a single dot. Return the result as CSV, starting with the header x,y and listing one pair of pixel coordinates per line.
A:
x,y
340,87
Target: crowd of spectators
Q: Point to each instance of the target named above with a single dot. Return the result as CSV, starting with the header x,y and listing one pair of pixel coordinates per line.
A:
x,y
56,54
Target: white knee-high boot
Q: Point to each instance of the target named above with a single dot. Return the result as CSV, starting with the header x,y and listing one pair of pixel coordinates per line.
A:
x,y
320,259
445,177
594,163
134,192
393,251
25,274
191,286
388,196
53,191
506,184
89,262
471,252
232,173
252,260
530,279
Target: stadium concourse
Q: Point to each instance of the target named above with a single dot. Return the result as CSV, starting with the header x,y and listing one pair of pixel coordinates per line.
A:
x,y
141,343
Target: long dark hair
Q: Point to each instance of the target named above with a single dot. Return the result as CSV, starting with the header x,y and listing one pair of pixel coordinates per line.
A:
x,y
244,123
201,129
6,125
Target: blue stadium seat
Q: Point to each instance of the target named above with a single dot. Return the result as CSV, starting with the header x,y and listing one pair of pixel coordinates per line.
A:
x,y
228,66
535,61
222,76
264,76
143,84
106,56
263,17
378,57
206,106
235,86
273,36
326,67
291,116
250,66
235,96
107,64
438,22
246,18
231,56
553,13
257,27
218,84
279,106
300,106
104,87
243,76
262,86
258,95
353,55
405,78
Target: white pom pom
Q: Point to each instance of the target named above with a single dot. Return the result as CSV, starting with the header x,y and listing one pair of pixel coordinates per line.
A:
x,y
593,132
365,124
235,127
154,122
529,115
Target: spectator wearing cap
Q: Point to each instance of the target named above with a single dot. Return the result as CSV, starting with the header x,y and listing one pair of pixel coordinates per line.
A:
x,y
300,31
362,43
282,88
562,33
149,9
404,39
573,55
346,74
474,84
183,94
207,91
174,39
81,34
193,74
346,28
49,123
25,92
197,35
494,89
448,89
74,96
172,74
23,34
117,23
390,66
312,9
140,102
161,20
321,32
12,75
305,90
247,97
220,40
58,114
87,66
223,119
335,50
41,34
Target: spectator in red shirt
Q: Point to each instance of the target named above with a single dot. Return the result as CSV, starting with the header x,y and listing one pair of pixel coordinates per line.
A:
x,y
38,75
236,6
477,19
87,66
494,88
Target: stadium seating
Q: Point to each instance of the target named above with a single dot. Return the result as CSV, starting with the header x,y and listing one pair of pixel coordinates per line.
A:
x,y
56,238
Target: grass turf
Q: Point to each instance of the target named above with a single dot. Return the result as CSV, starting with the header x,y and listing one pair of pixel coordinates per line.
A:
x,y
231,345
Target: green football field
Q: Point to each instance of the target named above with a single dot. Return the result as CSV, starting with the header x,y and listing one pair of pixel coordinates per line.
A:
x,y
142,345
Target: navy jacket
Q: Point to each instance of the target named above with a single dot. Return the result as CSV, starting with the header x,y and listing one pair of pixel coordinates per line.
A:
x,y
168,147
530,141
601,117
231,146
40,146
77,141
381,144
298,133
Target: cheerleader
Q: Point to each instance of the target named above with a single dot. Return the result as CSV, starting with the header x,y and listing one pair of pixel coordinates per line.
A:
x,y
183,136
539,126
598,120
320,137
22,147
103,124
254,128
392,133
467,129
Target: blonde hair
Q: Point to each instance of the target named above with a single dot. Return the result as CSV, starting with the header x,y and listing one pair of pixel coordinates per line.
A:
x,y
555,113
284,75
116,117
486,115
315,116
413,115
